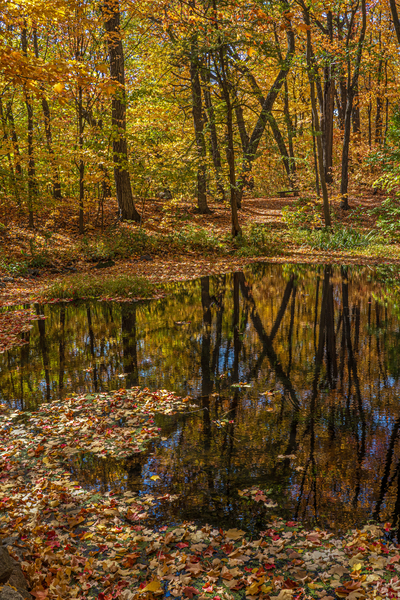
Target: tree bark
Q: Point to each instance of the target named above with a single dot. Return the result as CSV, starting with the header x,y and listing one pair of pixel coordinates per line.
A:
x,y
126,204
352,83
317,130
81,162
216,155
268,103
32,182
47,129
13,180
198,121
230,150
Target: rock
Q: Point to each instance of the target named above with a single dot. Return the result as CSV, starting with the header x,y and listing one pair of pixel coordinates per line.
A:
x,y
7,565
103,264
17,578
165,194
33,272
7,593
8,279
146,257
2,285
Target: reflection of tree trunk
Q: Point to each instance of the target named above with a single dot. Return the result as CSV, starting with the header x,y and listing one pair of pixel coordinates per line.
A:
x,y
26,336
61,351
328,322
386,472
218,335
352,366
206,383
91,341
128,329
266,340
290,334
44,350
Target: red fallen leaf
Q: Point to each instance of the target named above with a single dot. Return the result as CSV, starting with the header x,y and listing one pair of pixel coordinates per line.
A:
x,y
289,584
190,591
237,587
352,585
40,594
269,566
347,588
103,596
208,588
182,545
291,524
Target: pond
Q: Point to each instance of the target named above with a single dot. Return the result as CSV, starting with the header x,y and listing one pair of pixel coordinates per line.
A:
x,y
294,375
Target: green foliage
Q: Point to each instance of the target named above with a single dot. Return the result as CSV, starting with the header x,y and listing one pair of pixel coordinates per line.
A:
x,y
340,238
39,255
123,244
13,267
307,214
258,239
95,286
195,237
389,216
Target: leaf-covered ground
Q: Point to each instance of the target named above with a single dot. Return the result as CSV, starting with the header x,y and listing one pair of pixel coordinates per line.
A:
x,y
76,543
59,246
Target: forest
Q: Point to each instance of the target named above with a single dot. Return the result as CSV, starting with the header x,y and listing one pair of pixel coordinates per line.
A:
x,y
199,299
124,103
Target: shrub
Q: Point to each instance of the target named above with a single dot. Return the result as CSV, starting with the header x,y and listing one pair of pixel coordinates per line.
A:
x,y
307,215
123,244
389,218
258,239
196,237
341,238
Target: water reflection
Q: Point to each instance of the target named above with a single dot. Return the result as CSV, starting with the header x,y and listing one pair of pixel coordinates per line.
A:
x,y
320,357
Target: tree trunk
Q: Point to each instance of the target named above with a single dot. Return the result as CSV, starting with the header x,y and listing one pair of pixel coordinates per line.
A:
x,y
287,161
379,107
12,178
317,130
198,121
47,129
352,84
81,162
126,204
230,150
32,182
267,106
290,133
216,155
16,153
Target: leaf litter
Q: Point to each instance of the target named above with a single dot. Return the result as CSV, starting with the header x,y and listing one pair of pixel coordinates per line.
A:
x,y
77,543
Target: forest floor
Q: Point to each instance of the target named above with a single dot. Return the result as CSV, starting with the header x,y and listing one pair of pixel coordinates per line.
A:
x,y
75,543
174,243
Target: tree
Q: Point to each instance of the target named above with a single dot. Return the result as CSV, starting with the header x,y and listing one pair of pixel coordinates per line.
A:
x,y
126,204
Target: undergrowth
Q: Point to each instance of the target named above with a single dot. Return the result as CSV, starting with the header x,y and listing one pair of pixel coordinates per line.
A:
x,y
258,239
119,244
196,237
85,285
340,237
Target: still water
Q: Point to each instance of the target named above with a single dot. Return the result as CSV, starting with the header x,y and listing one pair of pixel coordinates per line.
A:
x,y
317,354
